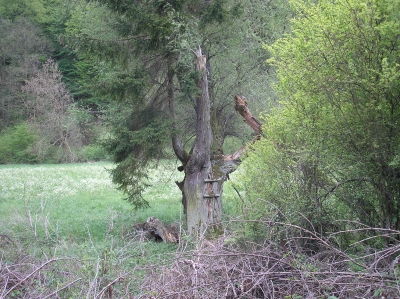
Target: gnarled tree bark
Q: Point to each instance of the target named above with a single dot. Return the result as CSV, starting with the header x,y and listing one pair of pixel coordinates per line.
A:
x,y
206,171
202,209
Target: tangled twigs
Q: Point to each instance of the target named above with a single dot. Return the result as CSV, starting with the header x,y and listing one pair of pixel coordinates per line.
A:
x,y
290,262
219,270
62,288
15,277
4,238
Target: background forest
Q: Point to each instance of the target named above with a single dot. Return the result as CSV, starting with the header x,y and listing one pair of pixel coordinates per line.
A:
x,y
315,196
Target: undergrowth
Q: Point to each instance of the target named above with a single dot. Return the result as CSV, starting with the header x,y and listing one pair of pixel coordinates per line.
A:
x,y
66,233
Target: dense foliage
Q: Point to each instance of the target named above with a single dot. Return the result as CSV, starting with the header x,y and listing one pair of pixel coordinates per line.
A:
x,y
22,47
29,95
331,150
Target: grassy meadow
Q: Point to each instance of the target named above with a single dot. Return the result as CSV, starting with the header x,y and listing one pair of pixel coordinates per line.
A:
x,y
73,211
75,201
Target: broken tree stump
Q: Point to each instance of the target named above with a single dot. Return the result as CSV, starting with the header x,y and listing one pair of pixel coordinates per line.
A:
x,y
157,231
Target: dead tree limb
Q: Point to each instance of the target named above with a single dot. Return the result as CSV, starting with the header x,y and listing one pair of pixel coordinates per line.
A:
x,y
241,106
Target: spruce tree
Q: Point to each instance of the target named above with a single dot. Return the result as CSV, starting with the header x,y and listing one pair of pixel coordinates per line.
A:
x,y
146,63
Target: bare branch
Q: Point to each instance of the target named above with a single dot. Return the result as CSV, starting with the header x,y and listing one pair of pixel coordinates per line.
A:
x,y
62,288
217,270
33,272
241,106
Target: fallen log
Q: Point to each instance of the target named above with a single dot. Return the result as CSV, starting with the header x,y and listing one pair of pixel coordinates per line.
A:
x,y
157,231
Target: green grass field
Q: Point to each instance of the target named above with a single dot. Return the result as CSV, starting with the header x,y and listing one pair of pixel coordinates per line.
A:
x,y
73,200
74,211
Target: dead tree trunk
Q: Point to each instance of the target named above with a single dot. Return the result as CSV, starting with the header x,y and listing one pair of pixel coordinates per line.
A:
x,y
202,207
205,172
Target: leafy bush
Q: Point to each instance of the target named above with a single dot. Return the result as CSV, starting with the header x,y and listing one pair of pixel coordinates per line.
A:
x,y
284,184
92,152
16,143
330,151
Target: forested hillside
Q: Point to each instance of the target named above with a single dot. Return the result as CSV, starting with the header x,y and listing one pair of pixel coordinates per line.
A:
x,y
46,116
295,103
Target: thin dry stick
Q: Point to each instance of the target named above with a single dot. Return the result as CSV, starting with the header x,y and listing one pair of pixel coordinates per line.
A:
x,y
109,285
33,272
60,289
93,283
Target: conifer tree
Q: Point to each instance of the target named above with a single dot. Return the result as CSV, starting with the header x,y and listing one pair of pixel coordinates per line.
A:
x,y
148,54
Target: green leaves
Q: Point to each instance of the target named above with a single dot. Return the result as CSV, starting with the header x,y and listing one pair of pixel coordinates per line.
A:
x,y
35,9
339,86
16,143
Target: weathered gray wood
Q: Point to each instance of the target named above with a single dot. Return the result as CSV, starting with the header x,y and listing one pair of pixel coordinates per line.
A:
x,y
206,167
201,212
211,180
157,231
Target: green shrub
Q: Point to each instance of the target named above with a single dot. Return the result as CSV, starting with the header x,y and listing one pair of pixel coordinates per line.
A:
x,y
92,152
15,145
283,181
330,151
